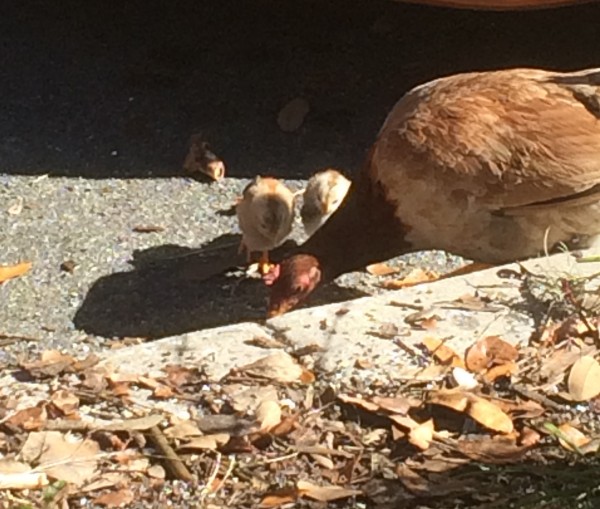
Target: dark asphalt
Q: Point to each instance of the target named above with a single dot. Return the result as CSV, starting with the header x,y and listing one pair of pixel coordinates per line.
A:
x,y
97,89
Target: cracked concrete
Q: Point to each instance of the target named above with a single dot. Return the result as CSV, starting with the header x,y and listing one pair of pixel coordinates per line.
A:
x,y
383,331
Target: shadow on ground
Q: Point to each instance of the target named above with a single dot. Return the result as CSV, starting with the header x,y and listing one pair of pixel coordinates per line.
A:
x,y
99,89
174,289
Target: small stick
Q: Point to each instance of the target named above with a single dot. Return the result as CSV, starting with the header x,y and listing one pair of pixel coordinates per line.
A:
x,y
173,462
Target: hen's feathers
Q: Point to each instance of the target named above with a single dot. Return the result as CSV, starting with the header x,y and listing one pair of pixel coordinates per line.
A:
x,y
531,136
485,147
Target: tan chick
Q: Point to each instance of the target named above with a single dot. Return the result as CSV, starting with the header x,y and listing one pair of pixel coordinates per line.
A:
x,y
324,193
201,159
265,214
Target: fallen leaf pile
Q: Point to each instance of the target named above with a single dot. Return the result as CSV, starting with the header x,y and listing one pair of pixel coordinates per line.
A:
x,y
277,433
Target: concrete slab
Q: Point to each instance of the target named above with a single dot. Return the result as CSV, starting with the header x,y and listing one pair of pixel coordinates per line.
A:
x,y
383,331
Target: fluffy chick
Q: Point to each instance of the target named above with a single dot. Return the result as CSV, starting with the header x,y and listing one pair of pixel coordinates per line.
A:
x,y
324,193
201,159
265,214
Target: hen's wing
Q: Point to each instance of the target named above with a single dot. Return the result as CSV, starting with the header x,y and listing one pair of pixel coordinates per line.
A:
x,y
510,139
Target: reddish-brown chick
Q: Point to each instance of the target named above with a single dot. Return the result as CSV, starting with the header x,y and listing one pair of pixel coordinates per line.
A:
x,y
291,281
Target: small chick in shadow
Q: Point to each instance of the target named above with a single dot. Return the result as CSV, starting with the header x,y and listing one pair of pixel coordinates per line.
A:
x,y
201,160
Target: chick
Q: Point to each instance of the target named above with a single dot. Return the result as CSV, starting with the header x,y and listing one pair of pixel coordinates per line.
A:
x,y
265,214
201,159
324,193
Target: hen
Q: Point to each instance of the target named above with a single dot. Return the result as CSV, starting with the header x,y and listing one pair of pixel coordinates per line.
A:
x,y
494,166
265,214
324,193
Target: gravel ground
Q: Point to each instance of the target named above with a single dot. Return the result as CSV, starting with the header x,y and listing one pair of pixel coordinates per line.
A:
x,y
92,223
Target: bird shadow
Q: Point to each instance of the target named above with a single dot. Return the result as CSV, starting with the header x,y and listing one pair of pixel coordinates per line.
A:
x,y
175,289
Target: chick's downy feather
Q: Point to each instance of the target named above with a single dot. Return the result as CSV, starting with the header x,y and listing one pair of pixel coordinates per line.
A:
x,y
265,214
324,193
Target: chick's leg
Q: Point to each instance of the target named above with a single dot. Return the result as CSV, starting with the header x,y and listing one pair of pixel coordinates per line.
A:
x,y
243,248
264,266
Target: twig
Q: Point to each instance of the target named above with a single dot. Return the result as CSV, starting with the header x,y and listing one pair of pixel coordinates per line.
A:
x,y
211,478
281,458
539,398
9,339
227,473
173,462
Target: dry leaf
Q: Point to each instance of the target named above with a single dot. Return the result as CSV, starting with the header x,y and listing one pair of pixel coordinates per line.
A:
x,y
268,414
33,418
442,352
422,435
65,401
492,450
363,364
150,228
157,472
415,277
529,437
369,406
63,457
325,493
68,266
265,342
10,466
23,481
279,366
554,366
184,429
120,498
286,426
279,498
179,375
490,415
11,271
527,409
404,421
292,115
105,480
51,363
488,352
381,269
163,392
16,208
584,379
323,461
484,412
397,405
492,374
244,399
574,436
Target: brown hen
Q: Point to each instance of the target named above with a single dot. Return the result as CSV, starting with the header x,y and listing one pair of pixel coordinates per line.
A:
x,y
494,166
